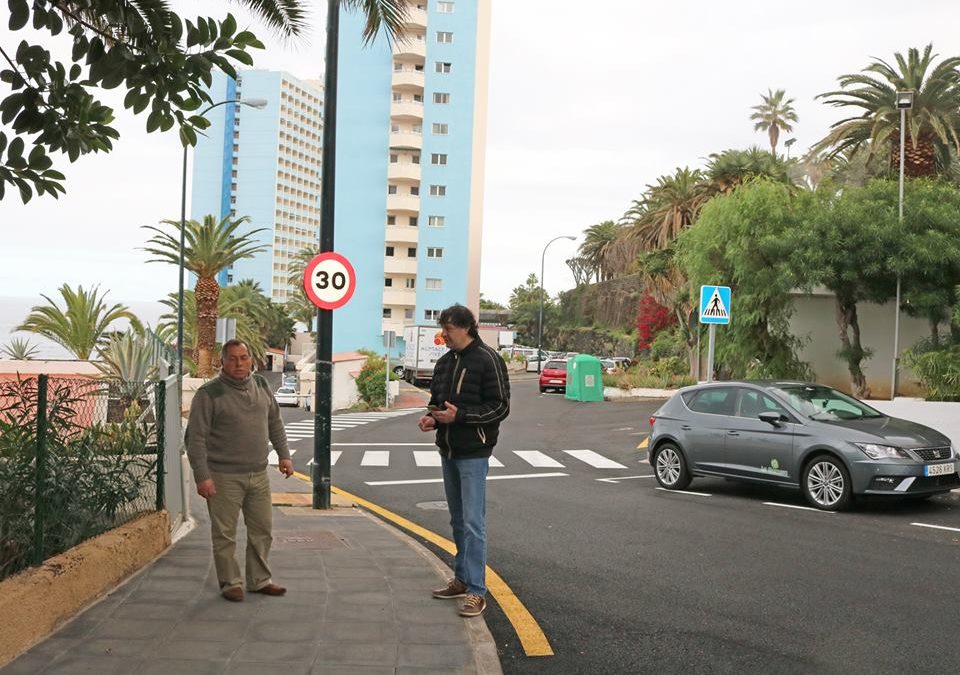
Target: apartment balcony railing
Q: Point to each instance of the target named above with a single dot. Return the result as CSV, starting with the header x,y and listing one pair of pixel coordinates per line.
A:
x,y
403,171
402,234
403,203
406,140
399,265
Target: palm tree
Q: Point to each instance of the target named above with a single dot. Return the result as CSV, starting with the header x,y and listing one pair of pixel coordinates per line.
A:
x,y
729,169
932,123
82,322
774,115
211,246
595,247
20,350
131,361
297,265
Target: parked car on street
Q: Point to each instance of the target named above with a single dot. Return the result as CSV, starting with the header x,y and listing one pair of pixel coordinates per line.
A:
x,y
554,375
533,360
608,365
797,435
286,396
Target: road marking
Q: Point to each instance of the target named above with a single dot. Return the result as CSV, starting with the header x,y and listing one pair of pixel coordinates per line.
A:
x,y
595,459
537,459
794,506
686,492
938,527
645,443
620,478
532,638
376,458
495,463
334,456
383,445
426,458
422,481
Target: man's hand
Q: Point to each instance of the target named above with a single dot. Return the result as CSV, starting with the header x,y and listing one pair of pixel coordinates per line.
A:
x,y
206,488
286,467
426,423
448,415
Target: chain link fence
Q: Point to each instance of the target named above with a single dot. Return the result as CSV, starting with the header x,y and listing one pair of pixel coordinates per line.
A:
x,y
78,457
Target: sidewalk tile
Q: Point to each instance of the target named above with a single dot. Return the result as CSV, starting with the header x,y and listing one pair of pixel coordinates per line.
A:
x,y
284,631
371,632
435,656
220,631
195,650
357,654
281,668
272,652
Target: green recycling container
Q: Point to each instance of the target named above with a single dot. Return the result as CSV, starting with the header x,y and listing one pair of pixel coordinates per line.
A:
x,y
584,378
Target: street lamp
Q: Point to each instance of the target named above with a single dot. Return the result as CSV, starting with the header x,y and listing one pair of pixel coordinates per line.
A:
x,y
904,103
259,104
540,322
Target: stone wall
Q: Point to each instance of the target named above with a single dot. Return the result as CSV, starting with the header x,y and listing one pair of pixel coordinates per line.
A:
x,y
612,303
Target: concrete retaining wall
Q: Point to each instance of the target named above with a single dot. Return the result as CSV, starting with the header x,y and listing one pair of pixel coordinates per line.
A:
x,y
36,601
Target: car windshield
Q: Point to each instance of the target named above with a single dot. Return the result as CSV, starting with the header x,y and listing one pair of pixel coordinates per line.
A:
x,y
286,390
555,365
825,404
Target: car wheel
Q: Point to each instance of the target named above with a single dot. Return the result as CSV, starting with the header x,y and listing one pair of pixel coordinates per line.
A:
x,y
826,484
543,390
670,467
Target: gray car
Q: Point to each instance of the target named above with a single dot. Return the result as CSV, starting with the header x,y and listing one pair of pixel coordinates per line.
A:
x,y
797,435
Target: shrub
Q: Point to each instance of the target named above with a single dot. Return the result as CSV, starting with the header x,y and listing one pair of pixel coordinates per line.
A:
x,y
371,381
938,368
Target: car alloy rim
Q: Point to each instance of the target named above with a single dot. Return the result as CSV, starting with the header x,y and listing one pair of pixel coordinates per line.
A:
x,y
825,483
668,466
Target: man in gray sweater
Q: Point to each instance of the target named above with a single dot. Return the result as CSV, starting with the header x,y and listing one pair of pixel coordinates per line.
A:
x,y
231,419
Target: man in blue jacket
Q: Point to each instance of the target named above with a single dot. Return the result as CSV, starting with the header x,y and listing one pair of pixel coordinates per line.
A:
x,y
469,396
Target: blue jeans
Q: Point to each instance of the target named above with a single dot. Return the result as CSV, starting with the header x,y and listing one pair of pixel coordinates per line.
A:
x,y
465,483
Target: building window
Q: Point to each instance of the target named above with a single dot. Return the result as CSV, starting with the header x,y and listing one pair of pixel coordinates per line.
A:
x,y
412,252
416,159
438,190
391,189
388,282
434,284
397,97
435,221
443,66
441,97
389,252
391,220
434,252
445,7
408,314
438,159
431,314
394,158
444,37
397,66
414,221
415,190
411,284
387,313
440,128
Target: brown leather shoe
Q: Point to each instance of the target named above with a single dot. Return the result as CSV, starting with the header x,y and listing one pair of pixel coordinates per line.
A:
x,y
270,589
233,594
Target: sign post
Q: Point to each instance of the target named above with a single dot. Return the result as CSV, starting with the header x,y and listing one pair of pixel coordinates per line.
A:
x,y
714,310
389,339
329,281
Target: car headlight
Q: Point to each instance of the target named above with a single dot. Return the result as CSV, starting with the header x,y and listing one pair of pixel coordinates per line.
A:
x,y
875,451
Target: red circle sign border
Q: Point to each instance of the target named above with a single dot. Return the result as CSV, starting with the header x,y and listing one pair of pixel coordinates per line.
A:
x,y
308,273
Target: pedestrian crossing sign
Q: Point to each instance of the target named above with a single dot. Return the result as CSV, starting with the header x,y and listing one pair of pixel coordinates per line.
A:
x,y
715,304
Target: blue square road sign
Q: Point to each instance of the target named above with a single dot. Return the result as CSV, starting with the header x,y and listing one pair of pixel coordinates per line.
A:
x,y
715,304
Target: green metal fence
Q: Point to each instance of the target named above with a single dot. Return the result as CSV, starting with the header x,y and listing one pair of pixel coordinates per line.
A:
x,y
78,456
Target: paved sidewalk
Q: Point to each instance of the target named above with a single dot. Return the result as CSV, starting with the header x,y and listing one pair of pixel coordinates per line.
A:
x,y
358,601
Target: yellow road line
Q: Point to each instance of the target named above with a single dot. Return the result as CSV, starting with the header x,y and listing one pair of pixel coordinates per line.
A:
x,y
531,636
644,443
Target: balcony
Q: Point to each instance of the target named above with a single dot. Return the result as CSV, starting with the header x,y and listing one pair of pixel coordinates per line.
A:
x,y
402,234
403,171
410,46
416,17
404,297
408,79
407,110
403,204
406,140
395,265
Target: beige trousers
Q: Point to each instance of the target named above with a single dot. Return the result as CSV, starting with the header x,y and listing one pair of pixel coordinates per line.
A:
x,y
250,493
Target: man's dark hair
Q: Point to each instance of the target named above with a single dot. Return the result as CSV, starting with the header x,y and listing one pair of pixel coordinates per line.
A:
x,y
234,343
461,317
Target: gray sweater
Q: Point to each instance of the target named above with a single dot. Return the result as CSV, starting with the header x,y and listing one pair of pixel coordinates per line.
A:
x,y
230,424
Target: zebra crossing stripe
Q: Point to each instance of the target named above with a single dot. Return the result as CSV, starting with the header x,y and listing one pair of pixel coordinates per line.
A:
x,y
537,459
426,457
495,463
376,458
595,459
334,456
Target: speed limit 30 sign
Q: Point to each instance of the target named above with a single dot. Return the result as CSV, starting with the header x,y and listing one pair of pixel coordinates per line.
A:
x,y
329,280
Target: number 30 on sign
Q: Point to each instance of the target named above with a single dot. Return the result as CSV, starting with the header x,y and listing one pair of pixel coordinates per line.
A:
x,y
329,280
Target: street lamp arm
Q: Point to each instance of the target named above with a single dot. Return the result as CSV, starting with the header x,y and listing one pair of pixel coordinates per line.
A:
x,y
543,258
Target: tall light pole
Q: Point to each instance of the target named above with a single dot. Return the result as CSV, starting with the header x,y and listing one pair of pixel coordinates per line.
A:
x,y
904,103
543,258
259,104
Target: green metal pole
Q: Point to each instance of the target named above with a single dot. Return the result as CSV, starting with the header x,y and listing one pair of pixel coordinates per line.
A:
x,y
161,443
40,467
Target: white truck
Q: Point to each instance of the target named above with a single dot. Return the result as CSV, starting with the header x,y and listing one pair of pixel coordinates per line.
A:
x,y
422,347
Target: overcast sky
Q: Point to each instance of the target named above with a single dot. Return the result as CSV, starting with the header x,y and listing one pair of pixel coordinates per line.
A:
x,y
586,108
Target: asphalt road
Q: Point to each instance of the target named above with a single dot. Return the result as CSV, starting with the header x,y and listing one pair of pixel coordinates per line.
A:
x,y
625,578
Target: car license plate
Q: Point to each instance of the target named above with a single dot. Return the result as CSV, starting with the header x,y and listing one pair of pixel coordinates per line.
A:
x,y
938,469
556,381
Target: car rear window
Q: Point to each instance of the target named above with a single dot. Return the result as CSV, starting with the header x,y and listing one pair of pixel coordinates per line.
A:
x,y
286,390
712,401
556,365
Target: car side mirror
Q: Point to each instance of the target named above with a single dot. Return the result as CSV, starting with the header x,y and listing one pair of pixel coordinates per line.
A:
x,y
773,418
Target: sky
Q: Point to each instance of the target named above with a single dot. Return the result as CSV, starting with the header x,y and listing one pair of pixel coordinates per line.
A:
x,y
585,110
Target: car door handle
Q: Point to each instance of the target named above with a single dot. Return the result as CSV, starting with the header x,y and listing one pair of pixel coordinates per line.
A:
x,y
686,427
733,433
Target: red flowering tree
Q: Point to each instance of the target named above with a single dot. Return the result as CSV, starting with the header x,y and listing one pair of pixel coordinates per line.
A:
x,y
652,317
